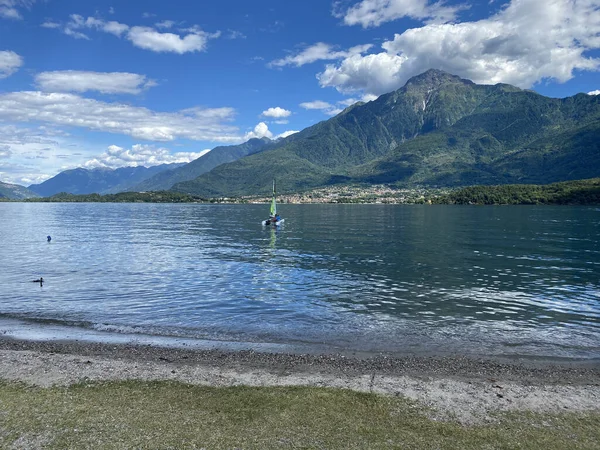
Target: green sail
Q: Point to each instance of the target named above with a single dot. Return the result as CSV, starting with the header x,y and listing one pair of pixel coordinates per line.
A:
x,y
273,204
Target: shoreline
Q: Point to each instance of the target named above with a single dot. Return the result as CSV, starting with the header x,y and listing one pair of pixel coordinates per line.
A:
x,y
458,387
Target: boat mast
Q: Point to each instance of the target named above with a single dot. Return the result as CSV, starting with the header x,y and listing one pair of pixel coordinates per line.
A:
x,y
273,203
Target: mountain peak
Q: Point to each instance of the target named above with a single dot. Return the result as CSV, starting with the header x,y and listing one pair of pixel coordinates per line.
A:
x,y
434,78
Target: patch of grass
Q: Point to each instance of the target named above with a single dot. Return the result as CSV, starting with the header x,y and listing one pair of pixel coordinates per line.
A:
x,y
135,414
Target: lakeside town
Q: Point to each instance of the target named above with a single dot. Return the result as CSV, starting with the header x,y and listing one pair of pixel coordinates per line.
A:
x,y
355,194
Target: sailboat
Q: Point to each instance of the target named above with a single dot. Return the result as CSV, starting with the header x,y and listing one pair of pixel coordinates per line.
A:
x,y
274,218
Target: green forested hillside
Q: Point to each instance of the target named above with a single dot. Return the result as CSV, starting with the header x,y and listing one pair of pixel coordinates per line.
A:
x,y
438,130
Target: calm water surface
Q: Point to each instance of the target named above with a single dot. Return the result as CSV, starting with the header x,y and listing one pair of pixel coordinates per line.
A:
x,y
505,281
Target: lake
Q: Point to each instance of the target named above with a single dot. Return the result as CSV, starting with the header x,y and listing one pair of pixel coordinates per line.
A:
x,y
517,281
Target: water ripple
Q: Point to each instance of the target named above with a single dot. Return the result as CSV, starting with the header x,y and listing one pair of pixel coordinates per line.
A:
x,y
374,277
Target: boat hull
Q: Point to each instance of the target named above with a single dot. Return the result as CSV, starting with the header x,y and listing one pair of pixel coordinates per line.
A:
x,y
274,223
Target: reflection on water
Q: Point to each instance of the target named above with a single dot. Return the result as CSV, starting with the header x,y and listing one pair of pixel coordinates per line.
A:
x,y
493,280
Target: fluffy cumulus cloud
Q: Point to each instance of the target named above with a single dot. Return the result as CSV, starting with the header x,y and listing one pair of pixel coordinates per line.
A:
x,y
276,113
318,52
150,39
262,130
192,39
66,109
597,92
526,42
9,9
9,63
140,155
105,82
369,13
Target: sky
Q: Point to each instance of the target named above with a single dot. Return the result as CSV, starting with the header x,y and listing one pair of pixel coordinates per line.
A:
x,y
118,83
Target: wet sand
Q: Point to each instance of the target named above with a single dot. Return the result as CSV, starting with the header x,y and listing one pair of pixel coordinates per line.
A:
x,y
467,389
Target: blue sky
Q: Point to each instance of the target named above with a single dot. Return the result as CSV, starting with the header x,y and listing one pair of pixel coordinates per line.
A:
x,y
121,82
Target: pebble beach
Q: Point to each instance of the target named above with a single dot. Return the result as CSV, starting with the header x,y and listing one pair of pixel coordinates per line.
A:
x,y
466,389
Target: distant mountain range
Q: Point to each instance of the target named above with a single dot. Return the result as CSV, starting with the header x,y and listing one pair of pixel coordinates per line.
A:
x,y
15,192
137,179
217,156
437,130
100,181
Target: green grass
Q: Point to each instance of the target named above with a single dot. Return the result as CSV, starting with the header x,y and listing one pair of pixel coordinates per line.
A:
x,y
137,414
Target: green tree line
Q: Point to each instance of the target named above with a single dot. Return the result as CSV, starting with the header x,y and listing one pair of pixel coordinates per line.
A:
x,y
579,192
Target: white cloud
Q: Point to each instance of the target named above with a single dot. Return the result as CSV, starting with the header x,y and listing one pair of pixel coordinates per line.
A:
x,y
373,74
150,39
78,22
9,63
317,104
140,155
193,38
234,34
526,42
9,8
369,98
372,13
50,24
105,82
75,34
260,130
64,109
317,52
276,112
347,102
327,108
115,28
597,92
5,151
286,134
31,153
165,24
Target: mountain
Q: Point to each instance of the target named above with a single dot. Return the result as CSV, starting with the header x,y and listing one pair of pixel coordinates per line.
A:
x,y
100,181
217,156
437,130
15,192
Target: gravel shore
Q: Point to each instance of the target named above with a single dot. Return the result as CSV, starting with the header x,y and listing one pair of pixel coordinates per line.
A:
x,y
464,388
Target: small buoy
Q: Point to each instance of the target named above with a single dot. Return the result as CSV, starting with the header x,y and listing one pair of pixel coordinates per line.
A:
x,y
49,238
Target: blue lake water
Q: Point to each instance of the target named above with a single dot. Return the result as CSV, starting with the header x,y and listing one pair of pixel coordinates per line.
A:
x,y
486,281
